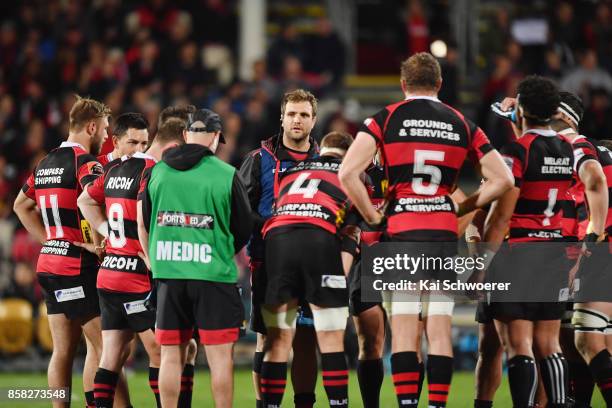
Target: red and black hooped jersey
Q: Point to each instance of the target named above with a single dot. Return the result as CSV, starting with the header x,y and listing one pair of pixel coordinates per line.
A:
x,y
542,163
122,269
605,159
55,185
424,143
574,209
104,159
310,194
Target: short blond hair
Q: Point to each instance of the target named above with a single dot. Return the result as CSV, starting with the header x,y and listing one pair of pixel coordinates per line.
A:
x,y
421,71
85,110
299,95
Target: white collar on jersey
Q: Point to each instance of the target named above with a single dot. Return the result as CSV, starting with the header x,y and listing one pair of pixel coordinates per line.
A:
x,y
71,144
541,132
109,156
429,98
140,155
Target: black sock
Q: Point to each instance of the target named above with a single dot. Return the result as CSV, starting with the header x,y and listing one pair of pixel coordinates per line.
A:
x,y
257,362
154,384
523,379
105,382
304,400
439,375
186,386
405,373
555,377
370,374
273,381
335,378
89,399
601,369
581,383
421,377
483,404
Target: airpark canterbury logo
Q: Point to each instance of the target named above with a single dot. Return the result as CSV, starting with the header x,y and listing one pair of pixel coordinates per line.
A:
x,y
186,220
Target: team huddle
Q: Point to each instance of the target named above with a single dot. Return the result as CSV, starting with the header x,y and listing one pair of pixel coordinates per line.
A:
x,y
141,242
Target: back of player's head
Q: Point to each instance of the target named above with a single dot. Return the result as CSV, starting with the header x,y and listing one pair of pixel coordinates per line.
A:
x,y
539,99
607,143
571,106
421,71
130,120
299,95
336,143
86,110
170,131
178,111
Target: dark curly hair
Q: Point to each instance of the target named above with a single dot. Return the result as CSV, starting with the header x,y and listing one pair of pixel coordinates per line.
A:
x,y
539,98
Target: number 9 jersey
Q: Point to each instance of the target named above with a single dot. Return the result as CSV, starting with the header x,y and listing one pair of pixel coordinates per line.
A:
x,y
122,270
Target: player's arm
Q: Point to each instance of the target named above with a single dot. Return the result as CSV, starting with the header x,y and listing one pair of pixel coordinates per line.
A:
x,y
595,188
459,196
241,220
250,174
25,208
143,234
498,180
498,220
357,159
91,204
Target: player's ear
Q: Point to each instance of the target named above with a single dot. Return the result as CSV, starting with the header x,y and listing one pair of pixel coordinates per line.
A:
x,y
91,127
403,85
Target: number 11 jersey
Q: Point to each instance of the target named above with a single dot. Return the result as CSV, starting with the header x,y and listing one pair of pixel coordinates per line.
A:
x,y
55,185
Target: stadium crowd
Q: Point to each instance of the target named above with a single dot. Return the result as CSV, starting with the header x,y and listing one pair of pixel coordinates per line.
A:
x,y
143,58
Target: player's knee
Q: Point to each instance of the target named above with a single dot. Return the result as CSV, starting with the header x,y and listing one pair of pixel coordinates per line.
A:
x,y
330,318
284,320
587,320
192,350
371,346
490,349
436,308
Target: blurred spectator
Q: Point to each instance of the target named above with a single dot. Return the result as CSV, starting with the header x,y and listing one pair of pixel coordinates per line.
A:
x,y
261,81
23,284
552,64
288,44
597,120
498,33
293,76
417,28
216,22
326,53
255,127
588,75
598,33
450,86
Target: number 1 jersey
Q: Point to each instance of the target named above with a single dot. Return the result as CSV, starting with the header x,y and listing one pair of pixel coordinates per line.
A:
x,y
122,270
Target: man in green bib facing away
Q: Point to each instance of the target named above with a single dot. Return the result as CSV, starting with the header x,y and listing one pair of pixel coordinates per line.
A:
x,y
193,216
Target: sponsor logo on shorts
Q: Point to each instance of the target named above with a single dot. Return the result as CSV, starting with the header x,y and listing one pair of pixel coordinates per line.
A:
x,y
65,295
333,281
564,295
185,220
136,306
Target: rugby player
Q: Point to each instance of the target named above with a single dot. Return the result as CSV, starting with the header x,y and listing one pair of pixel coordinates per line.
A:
x,y
123,279
260,171
129,135
68,263
308,214
533,213
423,143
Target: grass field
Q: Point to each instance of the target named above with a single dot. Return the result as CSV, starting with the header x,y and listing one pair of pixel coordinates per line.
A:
x,y
461,395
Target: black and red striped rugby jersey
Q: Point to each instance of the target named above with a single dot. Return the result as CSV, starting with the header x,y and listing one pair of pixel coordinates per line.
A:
x,y
542,163
55,185
574,209
104,159
122,269
310,195
605,159
424,143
